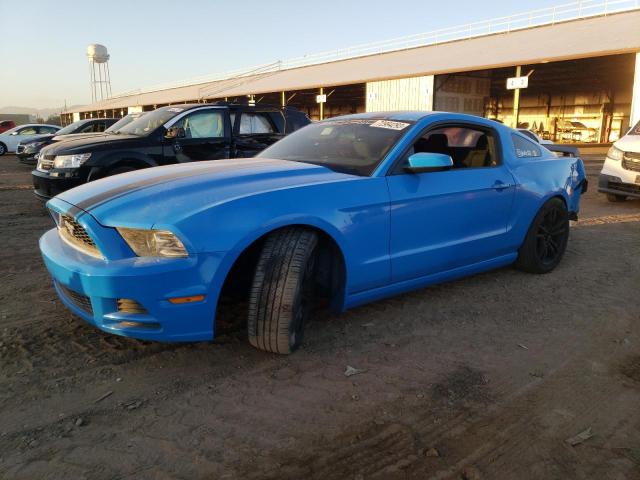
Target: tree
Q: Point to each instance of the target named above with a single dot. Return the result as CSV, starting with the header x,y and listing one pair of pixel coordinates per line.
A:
x,y
53,120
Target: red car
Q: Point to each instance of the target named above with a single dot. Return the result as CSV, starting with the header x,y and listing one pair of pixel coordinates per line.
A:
x,y
6,125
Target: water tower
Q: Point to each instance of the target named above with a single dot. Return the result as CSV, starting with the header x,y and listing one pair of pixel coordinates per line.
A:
x,y
99,77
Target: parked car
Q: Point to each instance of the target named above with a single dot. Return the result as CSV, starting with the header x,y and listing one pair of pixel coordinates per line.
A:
x,y
572,131
28,149
10,139
176,134
6,125
534,136
620,175
355,209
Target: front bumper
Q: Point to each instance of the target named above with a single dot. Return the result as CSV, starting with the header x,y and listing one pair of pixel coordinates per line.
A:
x,y
46,186
615,185
27,157
91,287
616,179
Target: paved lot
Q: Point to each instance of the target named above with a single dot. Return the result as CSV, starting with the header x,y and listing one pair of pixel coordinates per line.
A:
x,y
481,378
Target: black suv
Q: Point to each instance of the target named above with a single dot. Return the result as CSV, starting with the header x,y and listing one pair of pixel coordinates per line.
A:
x,y
174,134
26,151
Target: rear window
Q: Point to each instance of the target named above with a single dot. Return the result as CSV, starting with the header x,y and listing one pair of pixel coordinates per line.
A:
x,y
525,148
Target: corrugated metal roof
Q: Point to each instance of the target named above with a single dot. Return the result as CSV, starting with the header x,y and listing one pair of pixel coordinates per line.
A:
x,y
596,36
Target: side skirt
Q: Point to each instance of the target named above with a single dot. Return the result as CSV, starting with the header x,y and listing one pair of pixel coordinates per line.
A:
x,y
361,298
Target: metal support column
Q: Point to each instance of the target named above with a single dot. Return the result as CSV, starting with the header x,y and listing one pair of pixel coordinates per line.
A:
x,y
321,105
516,100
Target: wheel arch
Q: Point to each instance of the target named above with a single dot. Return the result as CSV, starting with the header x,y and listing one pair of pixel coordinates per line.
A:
x,y
237,267
120,159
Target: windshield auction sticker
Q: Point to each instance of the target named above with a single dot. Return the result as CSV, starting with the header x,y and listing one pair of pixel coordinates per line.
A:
x,y
388,124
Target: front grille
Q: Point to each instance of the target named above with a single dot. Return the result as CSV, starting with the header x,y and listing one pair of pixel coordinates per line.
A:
x,y
127,305
625,187
76,235
81,301
631,161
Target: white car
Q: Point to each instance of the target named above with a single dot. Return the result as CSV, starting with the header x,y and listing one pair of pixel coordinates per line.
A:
x,y
9,140
535,136
620,175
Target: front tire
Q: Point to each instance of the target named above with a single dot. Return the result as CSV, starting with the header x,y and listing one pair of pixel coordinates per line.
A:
x,y
546,240
3,149
282,290
612,197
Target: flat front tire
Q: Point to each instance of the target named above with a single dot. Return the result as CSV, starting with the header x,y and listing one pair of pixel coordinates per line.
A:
x,y
282,290
546,239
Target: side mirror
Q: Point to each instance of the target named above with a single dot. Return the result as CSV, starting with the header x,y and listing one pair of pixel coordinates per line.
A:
x,y
175,132
428,162
13,133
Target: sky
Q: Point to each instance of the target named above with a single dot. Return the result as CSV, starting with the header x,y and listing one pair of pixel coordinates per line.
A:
x,y
43,48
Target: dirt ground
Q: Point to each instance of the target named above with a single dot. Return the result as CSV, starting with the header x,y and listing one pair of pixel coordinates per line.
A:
x,y
484,378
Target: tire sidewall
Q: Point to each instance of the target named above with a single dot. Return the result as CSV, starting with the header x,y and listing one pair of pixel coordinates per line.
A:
x,y
3,149
528,259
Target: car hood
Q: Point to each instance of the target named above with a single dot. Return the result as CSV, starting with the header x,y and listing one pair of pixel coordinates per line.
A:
x,y
167,195
629,143
89,144
76,136
41,138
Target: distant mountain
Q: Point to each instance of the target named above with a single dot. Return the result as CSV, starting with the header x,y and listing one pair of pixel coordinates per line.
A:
x,y
37,112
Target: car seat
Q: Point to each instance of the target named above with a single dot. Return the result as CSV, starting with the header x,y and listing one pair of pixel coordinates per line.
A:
x,y
479,156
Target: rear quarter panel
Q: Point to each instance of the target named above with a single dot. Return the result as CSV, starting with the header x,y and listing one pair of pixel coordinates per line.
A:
x,y
537,180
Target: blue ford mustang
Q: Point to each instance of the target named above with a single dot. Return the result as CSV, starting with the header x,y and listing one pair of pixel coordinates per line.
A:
x,y
352,210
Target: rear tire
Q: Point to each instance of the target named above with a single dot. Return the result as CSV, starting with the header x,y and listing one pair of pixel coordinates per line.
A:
x,y
282,290
546,239
3,149
612,197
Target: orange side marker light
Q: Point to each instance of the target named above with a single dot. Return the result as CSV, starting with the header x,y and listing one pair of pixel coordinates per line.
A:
x,y
191,299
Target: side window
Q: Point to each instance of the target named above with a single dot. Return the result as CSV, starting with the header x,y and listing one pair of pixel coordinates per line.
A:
x,y
202,124
468,147
529,134
255,123
28,131
525,148
46,130
88,128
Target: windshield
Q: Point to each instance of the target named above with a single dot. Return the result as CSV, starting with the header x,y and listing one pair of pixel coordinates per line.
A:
x,y
70,128
126,120
146,124
354,146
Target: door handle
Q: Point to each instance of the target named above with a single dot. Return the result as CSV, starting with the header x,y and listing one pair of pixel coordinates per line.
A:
x,y
500,185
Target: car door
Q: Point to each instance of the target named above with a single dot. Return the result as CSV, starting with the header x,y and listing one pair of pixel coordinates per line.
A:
x,y
206,137
450,219
254,131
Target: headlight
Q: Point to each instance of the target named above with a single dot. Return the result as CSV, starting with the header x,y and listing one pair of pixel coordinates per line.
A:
x,y
153,243
70,161
615,154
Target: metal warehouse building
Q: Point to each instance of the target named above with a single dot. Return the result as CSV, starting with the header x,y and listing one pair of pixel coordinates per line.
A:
x,y
582,63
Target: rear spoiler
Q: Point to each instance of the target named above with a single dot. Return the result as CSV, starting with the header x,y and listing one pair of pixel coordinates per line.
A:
x,y
564,150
